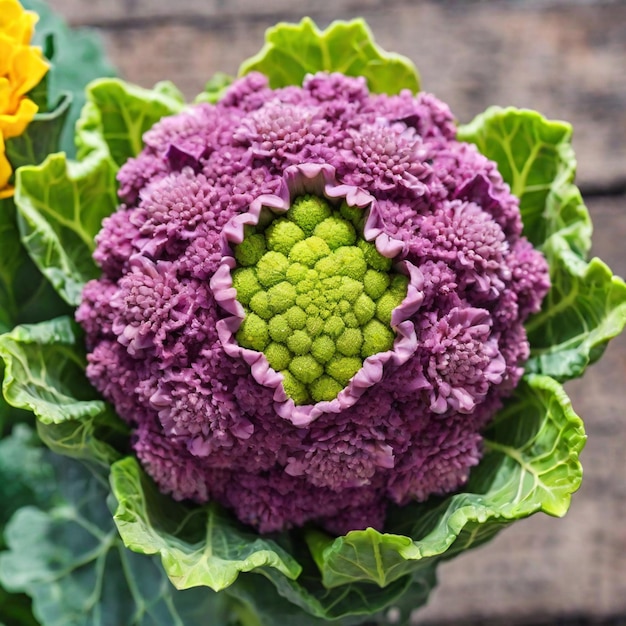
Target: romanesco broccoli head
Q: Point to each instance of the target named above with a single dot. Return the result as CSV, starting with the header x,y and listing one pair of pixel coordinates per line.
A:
x,y
312,301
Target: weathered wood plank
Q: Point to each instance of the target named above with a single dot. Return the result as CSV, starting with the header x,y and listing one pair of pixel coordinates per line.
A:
x,y
565,59
119,12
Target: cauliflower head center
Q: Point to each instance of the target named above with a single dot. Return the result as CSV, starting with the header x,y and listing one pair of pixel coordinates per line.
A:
x,y
317,296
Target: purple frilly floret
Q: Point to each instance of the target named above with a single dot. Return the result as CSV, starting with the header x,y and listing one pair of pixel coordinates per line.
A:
x,y
211,420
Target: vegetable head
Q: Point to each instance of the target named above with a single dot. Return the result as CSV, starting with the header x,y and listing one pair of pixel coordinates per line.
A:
x,y
311,302
239,396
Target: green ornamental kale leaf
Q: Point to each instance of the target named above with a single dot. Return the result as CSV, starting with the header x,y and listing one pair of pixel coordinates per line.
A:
x,y
586,306
294,50
24,480
78,572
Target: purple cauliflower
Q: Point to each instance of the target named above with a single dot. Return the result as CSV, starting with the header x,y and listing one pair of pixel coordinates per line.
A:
x,y
311,303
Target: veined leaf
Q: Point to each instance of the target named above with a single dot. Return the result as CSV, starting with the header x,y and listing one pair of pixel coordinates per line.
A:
x,y
26,296
121,113
78,571
41,137
45,372
24,478
61,203
535,157
199,546
292,51
586,305
584,309
61,206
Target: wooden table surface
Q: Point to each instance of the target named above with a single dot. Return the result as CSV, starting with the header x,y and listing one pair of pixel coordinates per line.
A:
x,y
565,58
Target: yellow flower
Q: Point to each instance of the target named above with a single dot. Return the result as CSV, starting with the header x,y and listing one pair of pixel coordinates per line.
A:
x,y
22,67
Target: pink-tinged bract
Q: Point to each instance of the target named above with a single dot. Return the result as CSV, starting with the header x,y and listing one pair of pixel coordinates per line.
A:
x,y
211,419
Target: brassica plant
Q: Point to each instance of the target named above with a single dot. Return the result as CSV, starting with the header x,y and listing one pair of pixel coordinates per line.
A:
x,y
319,337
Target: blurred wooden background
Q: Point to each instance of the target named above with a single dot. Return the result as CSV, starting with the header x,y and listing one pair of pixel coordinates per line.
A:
x,y
565,58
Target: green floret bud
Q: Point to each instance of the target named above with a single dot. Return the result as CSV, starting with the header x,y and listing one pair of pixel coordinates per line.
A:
x,y
334,326
308,211
314,326
278,356
353,214
329,295
325,388
281,296
343,368
250,250
343,306
376,338
399,284
364,309
351,289
282,235
253,333
350,320
246,283
296,272
279,328
333,283
374,258
309,251
376,283
296,317
307,286
350,341
336,232
312,310
326,267
386,304
349,261
294,388
303,300
323,348
299,342
272,268
260,304
305,368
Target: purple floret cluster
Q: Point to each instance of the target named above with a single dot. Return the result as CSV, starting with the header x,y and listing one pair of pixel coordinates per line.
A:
x,y
207,426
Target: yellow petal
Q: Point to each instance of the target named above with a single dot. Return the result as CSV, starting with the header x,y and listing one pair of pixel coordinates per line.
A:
x,y
5,95
16,23
7,192
12,125
7,50
28,69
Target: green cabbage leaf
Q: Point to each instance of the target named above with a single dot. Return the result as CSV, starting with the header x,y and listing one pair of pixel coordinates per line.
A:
x,y
292,51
